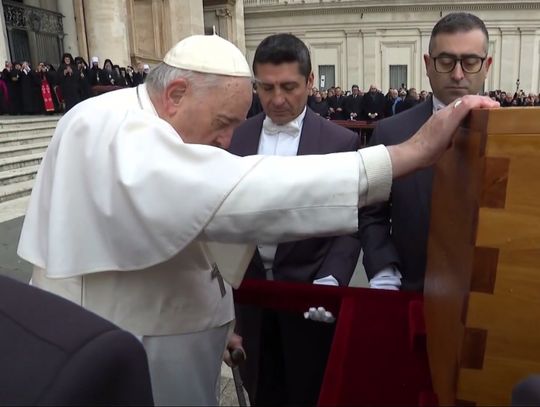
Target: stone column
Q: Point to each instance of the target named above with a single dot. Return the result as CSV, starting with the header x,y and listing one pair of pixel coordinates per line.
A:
x,y
370,59
528,75
354,61
509,59
106,30
425,35
239,32
70,29
5,55
182,19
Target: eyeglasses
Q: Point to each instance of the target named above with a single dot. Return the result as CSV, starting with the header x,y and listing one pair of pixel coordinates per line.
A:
x,y
470,64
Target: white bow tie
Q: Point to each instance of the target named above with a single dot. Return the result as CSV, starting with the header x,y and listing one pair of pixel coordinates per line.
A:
x,y
291,128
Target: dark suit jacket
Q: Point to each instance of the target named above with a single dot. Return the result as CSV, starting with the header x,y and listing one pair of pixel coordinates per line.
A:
x,y
353,105
56,353
335,103
373,104
404,244
309,259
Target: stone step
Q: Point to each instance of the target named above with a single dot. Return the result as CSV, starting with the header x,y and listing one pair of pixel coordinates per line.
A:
x,y
24,122
30,130
25,139
10,163
25,149
18,175
14,191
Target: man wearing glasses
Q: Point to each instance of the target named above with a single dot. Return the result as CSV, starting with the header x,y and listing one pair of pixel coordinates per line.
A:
x,y
394,234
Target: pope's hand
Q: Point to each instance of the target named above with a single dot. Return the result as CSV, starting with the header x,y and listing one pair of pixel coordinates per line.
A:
x,y
435,136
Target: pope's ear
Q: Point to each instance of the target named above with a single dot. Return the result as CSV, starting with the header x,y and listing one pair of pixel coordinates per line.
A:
x,y
176,90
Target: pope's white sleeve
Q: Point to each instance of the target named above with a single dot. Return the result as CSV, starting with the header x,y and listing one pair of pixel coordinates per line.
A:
x,y
293,198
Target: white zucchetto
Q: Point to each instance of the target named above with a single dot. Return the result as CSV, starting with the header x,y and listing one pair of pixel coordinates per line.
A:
x,y
208,54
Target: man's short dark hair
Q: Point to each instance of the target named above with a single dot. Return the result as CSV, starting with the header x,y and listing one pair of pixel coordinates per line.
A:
x,y
280,48
458,22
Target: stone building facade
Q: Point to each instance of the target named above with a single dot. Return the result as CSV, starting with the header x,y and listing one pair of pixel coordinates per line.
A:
x,y
383,41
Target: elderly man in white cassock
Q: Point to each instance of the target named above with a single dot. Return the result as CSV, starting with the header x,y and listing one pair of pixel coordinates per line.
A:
x,y
136,198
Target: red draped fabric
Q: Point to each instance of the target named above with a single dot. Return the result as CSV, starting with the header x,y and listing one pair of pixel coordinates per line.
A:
x,y
46,95
378,355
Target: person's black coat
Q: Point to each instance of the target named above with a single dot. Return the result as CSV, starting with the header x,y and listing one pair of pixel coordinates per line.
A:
x,y
69,82
53,352
373,103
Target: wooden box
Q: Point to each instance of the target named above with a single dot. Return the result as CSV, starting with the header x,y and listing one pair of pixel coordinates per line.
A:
x,y
482,290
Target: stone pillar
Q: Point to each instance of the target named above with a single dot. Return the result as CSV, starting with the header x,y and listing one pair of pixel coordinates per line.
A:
x,y
354,60
5,55
370,59
106,30
65,7
182,19
527,73
239,32
509,59
425,35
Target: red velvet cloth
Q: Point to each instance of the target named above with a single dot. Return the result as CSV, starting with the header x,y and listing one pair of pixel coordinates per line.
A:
x,y
378,356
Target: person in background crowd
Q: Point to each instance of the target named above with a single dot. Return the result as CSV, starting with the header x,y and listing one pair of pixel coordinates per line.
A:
x,y
130,79
125,77
391,98
68,80
374,104
411,100
320,106
336,105
96,74
109,76
32,101
84,78
120,80
423,96
4,95
14,77
353,104
139,76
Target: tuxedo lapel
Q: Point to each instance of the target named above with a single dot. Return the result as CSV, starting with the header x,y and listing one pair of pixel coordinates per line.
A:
x,y
311,134
251,136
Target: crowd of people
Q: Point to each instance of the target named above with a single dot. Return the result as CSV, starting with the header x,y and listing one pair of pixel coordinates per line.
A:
x,y
27,90
334,104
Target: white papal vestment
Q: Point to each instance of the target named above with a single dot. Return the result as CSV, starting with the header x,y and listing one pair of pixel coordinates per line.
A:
x,y
126,220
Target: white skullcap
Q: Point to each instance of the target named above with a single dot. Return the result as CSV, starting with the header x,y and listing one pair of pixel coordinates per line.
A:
x,y
208,54
95,59
146,66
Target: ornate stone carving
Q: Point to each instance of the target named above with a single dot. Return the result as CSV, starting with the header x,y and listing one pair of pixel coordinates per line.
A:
x,y
32,19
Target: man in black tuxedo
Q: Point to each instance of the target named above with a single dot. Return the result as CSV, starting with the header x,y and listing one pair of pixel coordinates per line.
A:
x,y
286,354
54,352
394,234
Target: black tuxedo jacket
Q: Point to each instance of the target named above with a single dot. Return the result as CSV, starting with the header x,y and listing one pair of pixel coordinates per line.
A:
x,y
53,352
309,259
396,232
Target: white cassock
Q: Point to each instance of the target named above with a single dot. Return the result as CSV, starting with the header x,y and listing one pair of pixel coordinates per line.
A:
x,y
124,217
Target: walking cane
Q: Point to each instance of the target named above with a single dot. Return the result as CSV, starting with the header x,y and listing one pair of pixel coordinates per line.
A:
x,y
237,357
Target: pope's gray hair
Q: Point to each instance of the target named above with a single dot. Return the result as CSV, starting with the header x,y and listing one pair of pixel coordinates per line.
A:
x,y
162,75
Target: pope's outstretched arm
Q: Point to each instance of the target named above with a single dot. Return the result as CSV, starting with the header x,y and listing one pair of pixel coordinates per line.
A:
x,y
291,198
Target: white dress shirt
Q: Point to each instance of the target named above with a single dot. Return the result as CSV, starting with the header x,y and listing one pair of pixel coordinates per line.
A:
x,y
278,140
